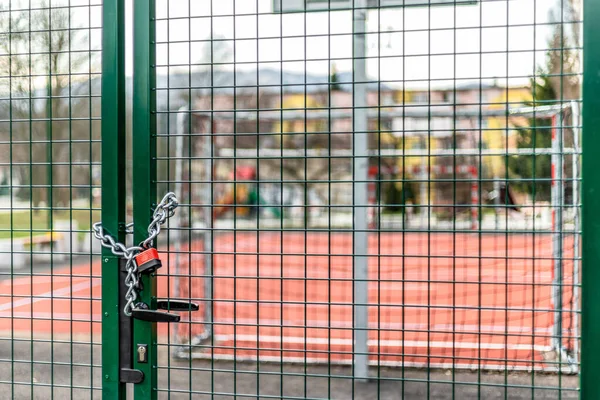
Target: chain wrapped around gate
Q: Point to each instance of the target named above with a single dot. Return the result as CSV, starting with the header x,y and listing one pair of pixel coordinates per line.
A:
x,y
144,259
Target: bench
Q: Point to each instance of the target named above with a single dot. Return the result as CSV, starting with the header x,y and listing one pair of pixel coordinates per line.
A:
x,y
43,240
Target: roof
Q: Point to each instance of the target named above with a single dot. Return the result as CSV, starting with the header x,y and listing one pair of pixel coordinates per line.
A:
x,y
267,80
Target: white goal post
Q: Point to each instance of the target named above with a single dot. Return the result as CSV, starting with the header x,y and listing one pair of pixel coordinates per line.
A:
x,y
283,6
555,114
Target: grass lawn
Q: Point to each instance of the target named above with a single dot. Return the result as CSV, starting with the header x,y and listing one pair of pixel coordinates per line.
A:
x,y
26,223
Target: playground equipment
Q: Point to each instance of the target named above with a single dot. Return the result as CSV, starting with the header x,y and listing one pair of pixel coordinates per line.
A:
x,y
242,195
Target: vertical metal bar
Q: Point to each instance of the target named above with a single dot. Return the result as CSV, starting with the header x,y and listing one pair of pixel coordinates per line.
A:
x,y
206,201
11,194
208,232
359,203
144,176
176,236
590,302
49,136
125,322
474,197
497,204
575,121
31,210
52,67
113,185
557,220
424,177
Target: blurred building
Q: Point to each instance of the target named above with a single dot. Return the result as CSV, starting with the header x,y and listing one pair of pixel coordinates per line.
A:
x,y
286,113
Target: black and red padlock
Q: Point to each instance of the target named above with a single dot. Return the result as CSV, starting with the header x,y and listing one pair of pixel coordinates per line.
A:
x,y
148,261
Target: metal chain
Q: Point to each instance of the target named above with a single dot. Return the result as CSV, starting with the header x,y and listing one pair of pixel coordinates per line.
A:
x,y
164,210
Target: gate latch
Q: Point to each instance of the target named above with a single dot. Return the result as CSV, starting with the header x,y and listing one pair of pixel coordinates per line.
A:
x,y
147,262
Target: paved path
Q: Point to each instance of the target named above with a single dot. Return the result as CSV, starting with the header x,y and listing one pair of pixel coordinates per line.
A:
x,y
254,380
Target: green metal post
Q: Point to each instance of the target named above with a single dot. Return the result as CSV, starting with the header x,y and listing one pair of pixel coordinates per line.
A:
x,y
590,304
144,176
113,186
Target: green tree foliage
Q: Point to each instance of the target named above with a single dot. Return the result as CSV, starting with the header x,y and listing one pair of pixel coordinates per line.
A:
x,y
557,79
334,79
533,172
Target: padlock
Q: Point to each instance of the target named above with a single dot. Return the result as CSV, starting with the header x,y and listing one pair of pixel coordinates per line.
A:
x,y
148,261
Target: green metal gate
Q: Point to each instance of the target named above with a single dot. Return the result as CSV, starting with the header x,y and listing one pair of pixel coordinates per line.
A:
x,y
375,199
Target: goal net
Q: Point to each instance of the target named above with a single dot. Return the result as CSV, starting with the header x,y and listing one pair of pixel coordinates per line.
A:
x,y
470,258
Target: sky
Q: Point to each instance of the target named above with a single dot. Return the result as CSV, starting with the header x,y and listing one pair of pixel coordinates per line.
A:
x,y
408,47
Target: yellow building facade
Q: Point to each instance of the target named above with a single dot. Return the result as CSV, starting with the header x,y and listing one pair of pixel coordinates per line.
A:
x,y
499,133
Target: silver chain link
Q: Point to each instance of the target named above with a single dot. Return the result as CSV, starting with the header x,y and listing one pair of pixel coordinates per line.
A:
x,y
164,210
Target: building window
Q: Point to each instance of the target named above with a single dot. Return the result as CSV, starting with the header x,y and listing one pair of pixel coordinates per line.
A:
x,y
448,97
420,97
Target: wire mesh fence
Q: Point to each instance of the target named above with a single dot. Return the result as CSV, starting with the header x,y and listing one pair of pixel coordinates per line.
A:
x,y
377,200
49,191
371,191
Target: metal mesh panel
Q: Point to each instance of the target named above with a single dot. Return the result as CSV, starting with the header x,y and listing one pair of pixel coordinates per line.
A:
x,y
49,196
417,225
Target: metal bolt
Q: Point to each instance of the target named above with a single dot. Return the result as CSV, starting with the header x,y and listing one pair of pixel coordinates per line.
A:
x,y
106,314
106,377
106,259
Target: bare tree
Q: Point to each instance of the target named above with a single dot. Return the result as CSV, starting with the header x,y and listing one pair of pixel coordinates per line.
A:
x,y
51,104
563,64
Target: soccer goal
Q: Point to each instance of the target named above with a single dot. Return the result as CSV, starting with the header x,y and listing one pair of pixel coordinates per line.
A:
x,y
492,285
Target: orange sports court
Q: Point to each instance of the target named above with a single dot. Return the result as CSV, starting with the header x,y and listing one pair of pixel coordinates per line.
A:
x,y
440,299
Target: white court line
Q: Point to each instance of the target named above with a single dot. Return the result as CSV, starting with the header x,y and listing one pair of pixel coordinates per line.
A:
x,y
319,324
341,250
381,343
347,324
400,285
63,317
46,296
526,309
299,272
459,364
38,280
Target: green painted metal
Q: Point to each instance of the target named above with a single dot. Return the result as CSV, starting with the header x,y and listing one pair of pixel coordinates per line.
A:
x,y
590,305
113,186
144,178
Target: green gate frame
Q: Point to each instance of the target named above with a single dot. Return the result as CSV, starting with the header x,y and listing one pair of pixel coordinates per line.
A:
x,y
114,162
590,301
144,177
113,186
